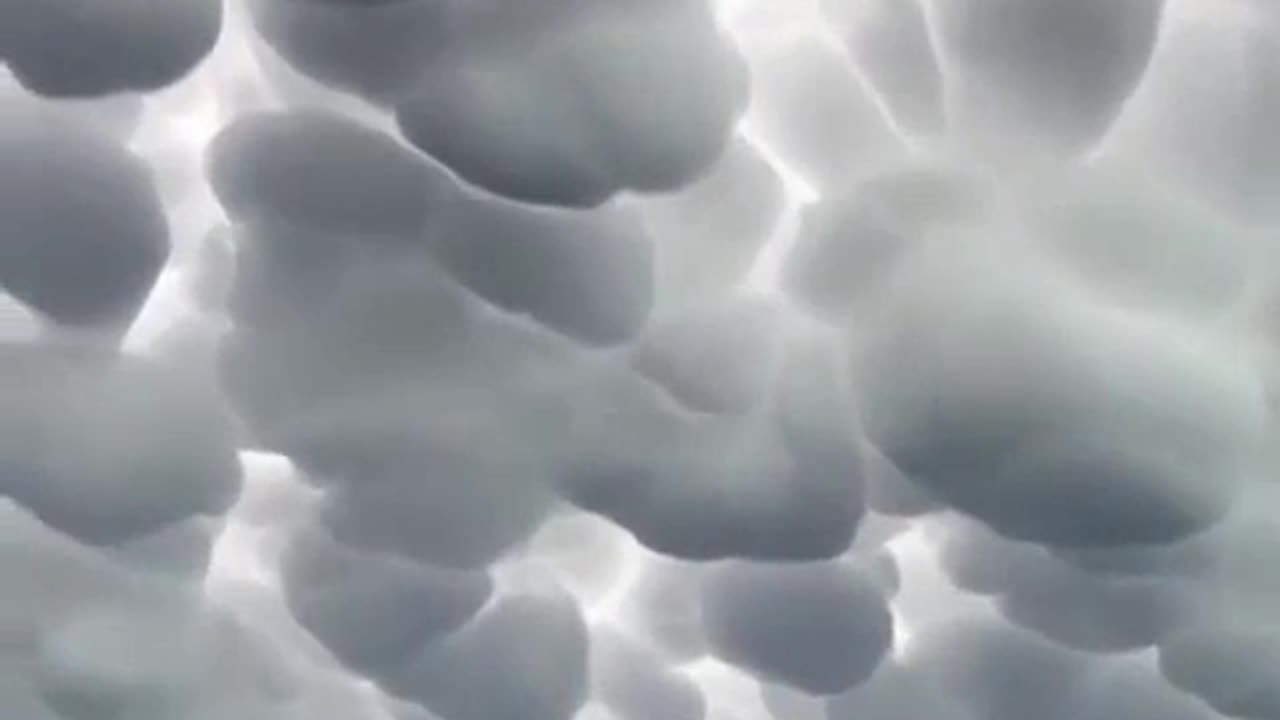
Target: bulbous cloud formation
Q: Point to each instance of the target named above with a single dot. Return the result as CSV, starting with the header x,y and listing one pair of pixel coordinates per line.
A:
x,y
527,656
818,628
1064,603
635,359
542,262
313,170
1054,72
549,103
68,48
374,610
718,359
1054,419
1139,242
85,235
850,243
91,636
108,449
781,482
1203,113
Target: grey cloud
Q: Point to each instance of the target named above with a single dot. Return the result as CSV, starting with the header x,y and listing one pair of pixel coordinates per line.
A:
x,y
152,658
1037,591
1232,666
374,611
852,241
85,234
560,122
63,48
781,483
533,103
896,693
588,275
1202,118
635,684
1133,691
1140,244
988,389
663,607
497,281
109,448
720,358
816,627
1053,73
985,668
319,171
526,656
890,492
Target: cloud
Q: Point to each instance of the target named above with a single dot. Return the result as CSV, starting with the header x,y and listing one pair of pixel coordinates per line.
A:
x,y
1055,419
317,170
85,233
733,360
818,628
111,448
63,48
536,104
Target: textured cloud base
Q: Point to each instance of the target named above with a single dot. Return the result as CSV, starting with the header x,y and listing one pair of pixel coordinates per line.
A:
x,y
639,360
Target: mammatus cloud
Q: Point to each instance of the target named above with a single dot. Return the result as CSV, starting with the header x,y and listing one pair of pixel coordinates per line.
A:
x,y
66,48
619,360
86,233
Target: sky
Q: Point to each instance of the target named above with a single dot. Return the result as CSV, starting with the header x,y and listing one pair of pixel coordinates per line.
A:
x,y
621,360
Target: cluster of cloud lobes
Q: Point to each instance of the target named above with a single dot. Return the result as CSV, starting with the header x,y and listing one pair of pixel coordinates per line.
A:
x,y
639,359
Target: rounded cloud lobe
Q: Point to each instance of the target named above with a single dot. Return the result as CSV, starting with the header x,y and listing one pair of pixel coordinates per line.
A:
x,y
65,48
85,233
552,103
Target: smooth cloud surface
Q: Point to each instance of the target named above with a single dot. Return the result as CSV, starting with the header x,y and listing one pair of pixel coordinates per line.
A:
x,y
633,359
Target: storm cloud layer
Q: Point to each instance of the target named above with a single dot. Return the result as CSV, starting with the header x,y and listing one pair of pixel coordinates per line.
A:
x,y
639,360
